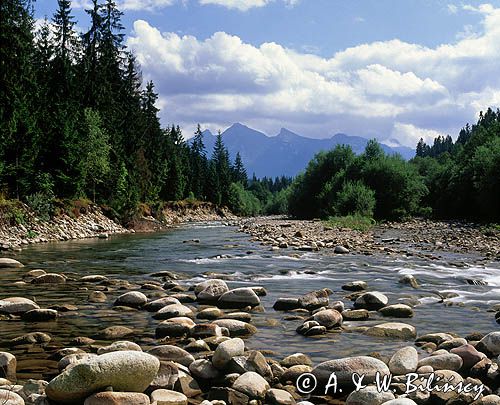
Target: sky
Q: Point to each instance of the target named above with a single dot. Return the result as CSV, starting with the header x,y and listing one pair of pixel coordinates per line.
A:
x,y
395,70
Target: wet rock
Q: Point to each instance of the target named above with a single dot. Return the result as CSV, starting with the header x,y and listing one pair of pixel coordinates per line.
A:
x,y
117,398
294,372
355,286
8,365
133,299
172,353
470,356
452,343
436,338
210,290
49,278
340,250
356,315
371,301
408,279
167,376
279,397
240,316
129,371
369,395
114,332
447,375
315,299
97,297
286,304
8,397
74,359
397,311
404,361
187,385
226,351
235,327
490,343
16,305
31,338
173,329
156,305
167,397
39,315
448,361
203,369
346,367
210,313
204,330
311,328
393,330
119,347
173,311
93,279
34,273
329,318
239,298
8,263
197,346
252,384
296,359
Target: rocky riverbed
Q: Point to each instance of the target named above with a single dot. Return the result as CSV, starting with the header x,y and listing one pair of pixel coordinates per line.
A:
x,y
419,237
171,327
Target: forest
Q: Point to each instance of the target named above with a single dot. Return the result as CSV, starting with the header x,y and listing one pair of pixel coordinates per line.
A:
x,y
76,122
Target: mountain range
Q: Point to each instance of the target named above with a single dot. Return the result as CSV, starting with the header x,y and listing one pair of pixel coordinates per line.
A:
x,y
286,153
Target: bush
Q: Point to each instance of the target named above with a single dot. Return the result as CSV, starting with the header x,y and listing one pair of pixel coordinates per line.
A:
x,y
355,199
243,202
356,222
278,203
42,204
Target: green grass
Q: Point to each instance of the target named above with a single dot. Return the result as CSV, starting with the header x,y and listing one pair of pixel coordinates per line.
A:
x,y
356,222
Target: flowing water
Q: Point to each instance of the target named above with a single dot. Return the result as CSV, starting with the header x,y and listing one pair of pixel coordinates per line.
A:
x,y
284,273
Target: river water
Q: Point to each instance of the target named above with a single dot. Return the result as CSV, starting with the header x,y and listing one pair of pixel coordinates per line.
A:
x,y
284,273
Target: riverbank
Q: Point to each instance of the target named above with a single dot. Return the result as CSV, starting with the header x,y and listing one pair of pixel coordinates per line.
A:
x,y
21,226
416,237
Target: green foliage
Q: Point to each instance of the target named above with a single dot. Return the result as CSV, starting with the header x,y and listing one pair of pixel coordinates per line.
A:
x,y
42,204
355,199
277,204
356,222
243,202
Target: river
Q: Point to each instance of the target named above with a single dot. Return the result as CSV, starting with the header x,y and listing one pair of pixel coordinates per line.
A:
x,y
221,249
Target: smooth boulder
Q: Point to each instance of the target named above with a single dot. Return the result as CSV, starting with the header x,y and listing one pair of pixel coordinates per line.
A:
x,y
404,361
8,263
371,300
239,298
129,371
393,330
133,299
17,305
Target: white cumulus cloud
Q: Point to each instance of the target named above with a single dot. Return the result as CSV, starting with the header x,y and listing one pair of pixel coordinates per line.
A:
x,y
389,89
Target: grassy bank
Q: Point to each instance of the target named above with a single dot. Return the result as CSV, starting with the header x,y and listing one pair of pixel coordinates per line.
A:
x,y
355,222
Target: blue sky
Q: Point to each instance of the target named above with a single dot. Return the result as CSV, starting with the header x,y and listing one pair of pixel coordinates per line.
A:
x,y
377,68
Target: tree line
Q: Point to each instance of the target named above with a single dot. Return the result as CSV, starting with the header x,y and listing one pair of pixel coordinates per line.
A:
x,y
76,121
450,180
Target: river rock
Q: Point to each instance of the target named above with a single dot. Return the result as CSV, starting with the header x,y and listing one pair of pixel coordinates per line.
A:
x,y
490,343
210,290
204,330
133,299
8,397
404,361
187,385
8,263
74,359
39,315
286,304
488,400
470,356
49,278
355,315
120,346
371,300
97,297
436,338
203,369
117,398
167,397
329,318
31,338
397,311
346,367
400,401
393,330
172,329
173,311
251,384
167,376
447,361
114,332
369,395
340,250
226,350
447,375
355,286
408,279
129,371
279,397
452,343
8,365
17,305
296,359
239,298
172,353
96,278
315,299
156,305
235,327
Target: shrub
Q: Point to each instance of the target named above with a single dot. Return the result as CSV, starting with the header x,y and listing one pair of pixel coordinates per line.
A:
x,y
243,202
355,199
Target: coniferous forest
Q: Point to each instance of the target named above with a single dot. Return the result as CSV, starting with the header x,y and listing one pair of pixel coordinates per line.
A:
x,y
76,121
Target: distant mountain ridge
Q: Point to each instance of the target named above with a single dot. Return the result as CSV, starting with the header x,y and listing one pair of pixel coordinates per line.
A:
x,y
286,153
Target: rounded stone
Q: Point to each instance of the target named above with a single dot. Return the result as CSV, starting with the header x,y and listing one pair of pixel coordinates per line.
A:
x,y
17,305
397,311
173,311
235,327
134,299
8,263
393,330
329,318
448,361
369,395
117,398
371,300
226,350
251,384
49,278
404,361
167,397
129,371
39,315
119,346
172,353
239,298
8,397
